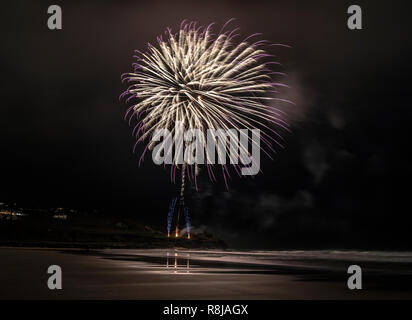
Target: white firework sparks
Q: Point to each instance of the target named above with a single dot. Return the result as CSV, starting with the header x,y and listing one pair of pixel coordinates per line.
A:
x,y
204,81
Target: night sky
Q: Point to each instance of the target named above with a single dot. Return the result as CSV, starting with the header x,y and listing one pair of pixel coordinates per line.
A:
x,y
342,180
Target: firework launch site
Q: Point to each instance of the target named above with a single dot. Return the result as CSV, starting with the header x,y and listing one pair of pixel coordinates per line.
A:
x,y
70,228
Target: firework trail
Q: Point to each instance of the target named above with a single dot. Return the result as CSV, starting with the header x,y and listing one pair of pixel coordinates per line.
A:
x,y
188,225
204,80
170,215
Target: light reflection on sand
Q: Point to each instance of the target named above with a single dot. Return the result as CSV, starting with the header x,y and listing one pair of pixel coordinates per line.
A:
x,y
204,274
213,261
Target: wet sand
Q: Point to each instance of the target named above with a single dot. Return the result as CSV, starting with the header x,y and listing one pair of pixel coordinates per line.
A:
x,y
203,274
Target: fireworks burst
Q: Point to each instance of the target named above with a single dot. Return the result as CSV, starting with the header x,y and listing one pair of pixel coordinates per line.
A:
x,y
204,81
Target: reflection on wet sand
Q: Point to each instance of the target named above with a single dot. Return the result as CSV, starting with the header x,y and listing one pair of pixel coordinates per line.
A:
x,y
205,274
172,261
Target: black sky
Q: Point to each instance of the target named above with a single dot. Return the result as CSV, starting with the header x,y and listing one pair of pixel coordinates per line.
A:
x,y
342,180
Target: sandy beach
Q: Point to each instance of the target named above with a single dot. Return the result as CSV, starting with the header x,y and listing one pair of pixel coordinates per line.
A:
x,y
203,274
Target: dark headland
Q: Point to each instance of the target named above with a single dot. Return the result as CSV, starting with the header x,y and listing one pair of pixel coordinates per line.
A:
x,y
59,228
